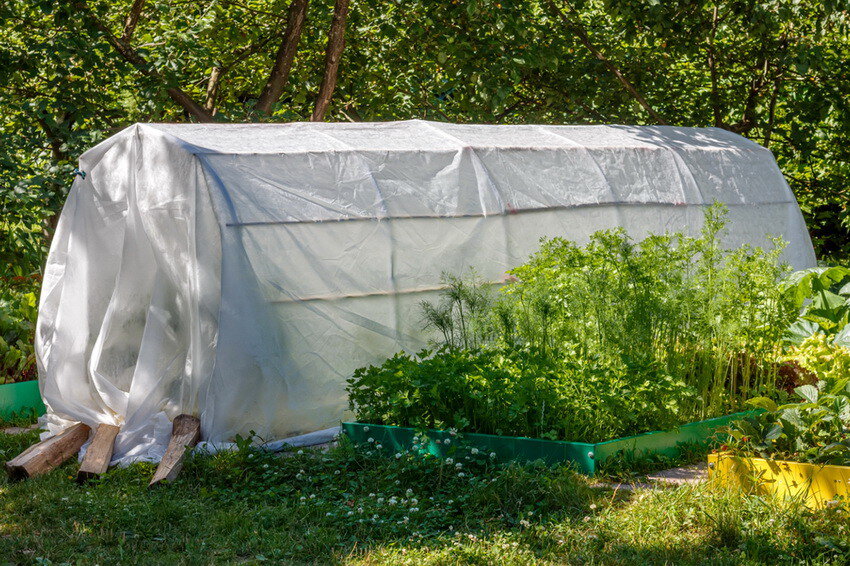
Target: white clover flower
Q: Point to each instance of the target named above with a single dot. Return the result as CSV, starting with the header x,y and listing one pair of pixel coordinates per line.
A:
x,y
303,498
365,429
414,501
379,446
461,475
299,476
392,501
450,461
328,514
458,465
409,492
380,500
371,495
397,455
447,441
250,456
586,518
350,513
397,482
300,451
359,509
525,523
370,440
593,506
312,496
374,517
336,472
492,454
405,519
414,509
474,451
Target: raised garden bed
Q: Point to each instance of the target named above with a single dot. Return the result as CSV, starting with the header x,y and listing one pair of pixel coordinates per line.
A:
x,y
815,485
586,457
18,398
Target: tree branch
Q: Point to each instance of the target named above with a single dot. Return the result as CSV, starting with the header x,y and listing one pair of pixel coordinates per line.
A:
x,y
212,89
284,57
584,38
771,112
132,20
333,53
131,56
712,70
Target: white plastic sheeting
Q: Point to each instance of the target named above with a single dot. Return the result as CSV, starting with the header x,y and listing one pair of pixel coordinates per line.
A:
x,y
242,272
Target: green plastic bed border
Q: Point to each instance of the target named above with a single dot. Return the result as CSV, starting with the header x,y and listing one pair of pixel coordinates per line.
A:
x,y
586,457
18,398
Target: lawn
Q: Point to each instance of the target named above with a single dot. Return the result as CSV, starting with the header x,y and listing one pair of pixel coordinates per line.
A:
x,y
348,507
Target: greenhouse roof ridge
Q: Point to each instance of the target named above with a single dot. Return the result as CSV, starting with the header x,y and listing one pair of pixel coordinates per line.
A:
x,y
421,135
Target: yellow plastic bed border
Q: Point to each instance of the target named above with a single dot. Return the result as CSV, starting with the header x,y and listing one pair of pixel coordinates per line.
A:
x,y
815,485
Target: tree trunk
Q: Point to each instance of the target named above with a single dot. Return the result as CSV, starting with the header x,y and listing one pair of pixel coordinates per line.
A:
x,y
333,53
285,56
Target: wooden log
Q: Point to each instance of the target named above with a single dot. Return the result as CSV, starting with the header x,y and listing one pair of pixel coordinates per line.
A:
x,y
48,454
185,433
99,453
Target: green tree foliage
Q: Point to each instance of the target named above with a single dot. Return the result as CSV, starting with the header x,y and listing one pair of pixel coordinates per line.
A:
x,y
76,71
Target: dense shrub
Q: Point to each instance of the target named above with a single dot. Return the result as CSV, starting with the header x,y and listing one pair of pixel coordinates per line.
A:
x,y
18,308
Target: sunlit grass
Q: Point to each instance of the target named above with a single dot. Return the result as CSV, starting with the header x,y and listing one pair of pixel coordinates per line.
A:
x,y
359,509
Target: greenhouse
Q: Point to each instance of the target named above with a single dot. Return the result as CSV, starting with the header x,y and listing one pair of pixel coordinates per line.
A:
x,y
241,273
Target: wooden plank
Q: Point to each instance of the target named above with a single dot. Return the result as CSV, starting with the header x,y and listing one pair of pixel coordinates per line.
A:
x,y
99,453
185,433
48,454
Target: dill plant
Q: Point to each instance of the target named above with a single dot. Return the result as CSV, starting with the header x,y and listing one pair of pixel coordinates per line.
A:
x,y
712,317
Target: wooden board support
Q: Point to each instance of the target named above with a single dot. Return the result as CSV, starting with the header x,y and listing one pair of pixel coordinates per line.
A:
x,y
185,433
48,454
99,453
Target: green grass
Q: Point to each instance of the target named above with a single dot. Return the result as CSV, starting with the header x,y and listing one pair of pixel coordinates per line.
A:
x,y
247,507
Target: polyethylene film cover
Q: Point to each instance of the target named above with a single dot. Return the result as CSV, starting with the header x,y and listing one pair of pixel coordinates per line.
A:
x,y
242,273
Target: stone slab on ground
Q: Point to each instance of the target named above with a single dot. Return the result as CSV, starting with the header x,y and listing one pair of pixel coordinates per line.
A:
x,y
685,475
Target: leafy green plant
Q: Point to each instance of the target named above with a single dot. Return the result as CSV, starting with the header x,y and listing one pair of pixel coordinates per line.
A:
x,y
518,392
812,429
18,309
822,294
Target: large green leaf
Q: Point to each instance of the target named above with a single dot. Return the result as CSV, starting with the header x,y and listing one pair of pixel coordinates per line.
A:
x,y
764,402
842,338
800,330
808,392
